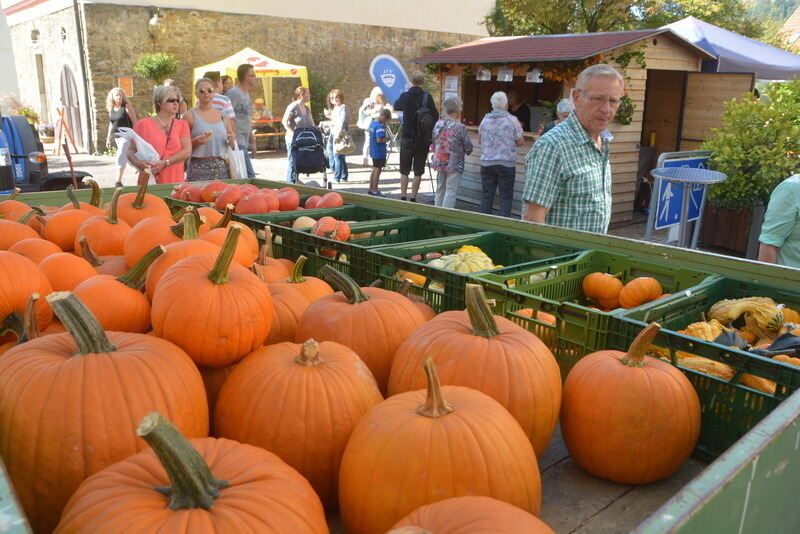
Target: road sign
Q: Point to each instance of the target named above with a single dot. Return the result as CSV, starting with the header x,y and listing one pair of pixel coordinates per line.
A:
x,y
670,195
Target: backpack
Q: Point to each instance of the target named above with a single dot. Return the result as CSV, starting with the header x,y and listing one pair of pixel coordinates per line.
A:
x,y
424,121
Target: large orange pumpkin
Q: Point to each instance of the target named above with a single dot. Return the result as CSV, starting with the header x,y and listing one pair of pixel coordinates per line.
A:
x,y
215,486
61,227
216,310
135,207
290,305
309,286
83,393
92,207
602,289
419,302
373,322
19,279
489,353
303,401
629,418
12,209
244,255
114,265
34,249
149,233
106,235
12,232
423,446
66,271
470,515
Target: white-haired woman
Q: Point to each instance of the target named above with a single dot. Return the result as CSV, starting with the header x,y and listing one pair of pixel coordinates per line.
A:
x,y
169,136
500,134
120,115
370,109
563,109
451,143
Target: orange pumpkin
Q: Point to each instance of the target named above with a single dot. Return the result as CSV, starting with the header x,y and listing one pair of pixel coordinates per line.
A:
x,y
149,233
403,452
418,301
92,207
470,515
213,218
35,249
629,418
106,235
789,315
331,228
17,332
640,291
319,390
215,485
330,200
60,378
66,271
216,310
19,279
113,265
491,354
211,190
290,305
12,232
309,286
603,289
61,227
12,209
312,201
135,207
269,268
373,322
213,378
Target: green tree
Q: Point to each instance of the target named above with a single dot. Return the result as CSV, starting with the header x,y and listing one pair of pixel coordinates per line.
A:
x,y
533,17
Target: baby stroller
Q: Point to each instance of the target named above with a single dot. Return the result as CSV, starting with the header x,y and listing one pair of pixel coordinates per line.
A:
x,y
308,153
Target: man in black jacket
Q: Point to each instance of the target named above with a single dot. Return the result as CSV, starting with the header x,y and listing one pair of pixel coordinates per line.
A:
x,y
414,144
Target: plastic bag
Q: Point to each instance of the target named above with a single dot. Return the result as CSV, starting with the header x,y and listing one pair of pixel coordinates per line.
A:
x,y
144,150
235,159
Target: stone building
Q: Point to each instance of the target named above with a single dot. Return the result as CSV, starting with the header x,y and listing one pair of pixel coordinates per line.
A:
x,y
70,53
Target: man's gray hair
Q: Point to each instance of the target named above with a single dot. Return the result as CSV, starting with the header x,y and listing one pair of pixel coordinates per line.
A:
x,y
162,92
417,77
499,100
452,104
597,70
565,106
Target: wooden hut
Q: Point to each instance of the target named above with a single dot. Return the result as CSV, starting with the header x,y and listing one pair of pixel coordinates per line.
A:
x,y
675,104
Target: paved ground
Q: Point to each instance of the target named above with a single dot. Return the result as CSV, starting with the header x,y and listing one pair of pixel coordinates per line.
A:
x,y
271,165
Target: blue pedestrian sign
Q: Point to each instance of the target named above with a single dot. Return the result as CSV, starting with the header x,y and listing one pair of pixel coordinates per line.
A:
x,y
670,195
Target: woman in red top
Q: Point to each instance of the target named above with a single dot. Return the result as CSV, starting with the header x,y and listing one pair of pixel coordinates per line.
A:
x,y
169,136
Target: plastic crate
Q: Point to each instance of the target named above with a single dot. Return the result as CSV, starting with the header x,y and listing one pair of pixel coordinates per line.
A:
x,y
347,212
384,262
365,234
729,408
555,288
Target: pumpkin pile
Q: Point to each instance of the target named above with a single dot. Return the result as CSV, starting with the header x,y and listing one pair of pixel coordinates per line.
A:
x,y
606,292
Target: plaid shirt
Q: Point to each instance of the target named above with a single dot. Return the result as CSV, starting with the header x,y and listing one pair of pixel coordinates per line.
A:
x,y
569,175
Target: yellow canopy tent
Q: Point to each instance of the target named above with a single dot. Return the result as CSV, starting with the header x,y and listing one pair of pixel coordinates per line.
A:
x,y
265,68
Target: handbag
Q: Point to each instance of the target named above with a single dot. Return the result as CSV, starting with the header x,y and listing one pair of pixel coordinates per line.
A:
x,y
344,144
235,159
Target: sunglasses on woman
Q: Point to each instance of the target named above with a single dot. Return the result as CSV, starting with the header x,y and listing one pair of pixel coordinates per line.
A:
x,y
173,100
205,90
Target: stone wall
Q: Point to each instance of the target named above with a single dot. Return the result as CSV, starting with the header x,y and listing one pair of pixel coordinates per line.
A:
x,y
117,35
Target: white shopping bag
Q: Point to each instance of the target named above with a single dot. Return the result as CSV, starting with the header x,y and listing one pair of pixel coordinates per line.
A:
x,y
144,150
235,159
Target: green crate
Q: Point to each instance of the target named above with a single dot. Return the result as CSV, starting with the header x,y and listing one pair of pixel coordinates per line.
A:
x,y
555,288
448,292
348,212
729,409
363,235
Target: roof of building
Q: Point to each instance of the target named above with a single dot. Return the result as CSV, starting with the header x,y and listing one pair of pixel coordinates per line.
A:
x,y
791,28
567,47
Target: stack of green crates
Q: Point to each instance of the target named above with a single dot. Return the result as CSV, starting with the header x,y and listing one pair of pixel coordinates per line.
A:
x,y
730,409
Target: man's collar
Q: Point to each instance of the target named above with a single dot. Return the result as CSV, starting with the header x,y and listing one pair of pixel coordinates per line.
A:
x,y
581,135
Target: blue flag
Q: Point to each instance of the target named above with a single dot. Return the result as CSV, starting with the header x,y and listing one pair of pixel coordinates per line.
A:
x,y
389,75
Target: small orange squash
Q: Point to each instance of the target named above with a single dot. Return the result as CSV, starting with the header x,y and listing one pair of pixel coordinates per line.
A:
x,y
640,291
135,207
310,287
603,289
66,271
113,265
106,235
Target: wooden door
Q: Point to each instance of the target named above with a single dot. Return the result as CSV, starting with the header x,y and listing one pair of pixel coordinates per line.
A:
x,y
72,108
704,100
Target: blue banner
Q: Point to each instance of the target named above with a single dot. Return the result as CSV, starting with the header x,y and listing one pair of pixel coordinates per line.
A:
x,y
389,75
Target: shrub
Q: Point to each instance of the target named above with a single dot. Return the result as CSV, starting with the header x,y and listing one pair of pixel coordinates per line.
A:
x,y
757,147
319,86
156,67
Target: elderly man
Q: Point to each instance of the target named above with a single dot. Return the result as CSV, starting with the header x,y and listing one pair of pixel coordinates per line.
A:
x,y
568,178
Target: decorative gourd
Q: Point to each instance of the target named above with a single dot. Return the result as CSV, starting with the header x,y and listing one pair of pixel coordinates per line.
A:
x,y
175,252
19,279
603,289
106,235
66,271
12,232
310,287
70,401
470,515
216,310
331,228
708,331
113,265
303,402
373,322
403,452
149,233
414,278
640,291
200,486
491,354
269,268
629,418
35,249
118,303
789,315
464,262
419,302
303,222
289,305
135,207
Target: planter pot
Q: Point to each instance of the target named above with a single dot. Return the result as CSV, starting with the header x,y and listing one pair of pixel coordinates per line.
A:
x,y
732,232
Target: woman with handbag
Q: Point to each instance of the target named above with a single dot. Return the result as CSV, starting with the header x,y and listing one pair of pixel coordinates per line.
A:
x,y
169,136
211,134
340,143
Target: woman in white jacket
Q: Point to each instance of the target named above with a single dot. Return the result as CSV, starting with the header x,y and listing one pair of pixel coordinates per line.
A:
x,y
339,119
370,109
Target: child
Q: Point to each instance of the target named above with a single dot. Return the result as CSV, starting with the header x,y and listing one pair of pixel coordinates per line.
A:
x,y
377,150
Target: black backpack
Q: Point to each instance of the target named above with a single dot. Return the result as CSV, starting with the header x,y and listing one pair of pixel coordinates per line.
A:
x,y
424,121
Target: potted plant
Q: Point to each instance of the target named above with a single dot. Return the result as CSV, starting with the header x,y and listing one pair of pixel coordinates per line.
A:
x,y
757,148
156,67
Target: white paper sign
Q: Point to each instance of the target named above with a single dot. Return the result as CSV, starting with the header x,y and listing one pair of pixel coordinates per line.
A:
x,y
484,75
451,83
534,76
446,95
505,74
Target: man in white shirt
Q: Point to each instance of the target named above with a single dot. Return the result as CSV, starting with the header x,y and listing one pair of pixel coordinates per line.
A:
x,y
220,101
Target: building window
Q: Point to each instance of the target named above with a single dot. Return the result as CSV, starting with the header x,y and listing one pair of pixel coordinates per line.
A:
x,y
63,33
34,36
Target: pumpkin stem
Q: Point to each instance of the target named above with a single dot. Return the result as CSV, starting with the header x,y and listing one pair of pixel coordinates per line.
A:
x,y
135,276
190,223
219,274
30,321
343,283
480,315
192,485
178,229
138,202
14,193
405,290
256,270
266,249
97,195
13,324
29,215
88,254
296,276
70,191
112,209
81,325
309,354
435,404
226,217
178,215
637,350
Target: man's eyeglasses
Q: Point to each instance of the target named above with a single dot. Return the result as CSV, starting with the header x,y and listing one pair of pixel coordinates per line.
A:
x,y
598,100
173,100
205,90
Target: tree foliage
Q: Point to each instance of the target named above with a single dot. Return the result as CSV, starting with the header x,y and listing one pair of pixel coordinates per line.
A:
x,y
156,67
